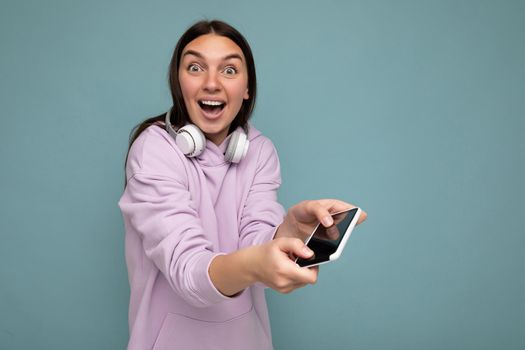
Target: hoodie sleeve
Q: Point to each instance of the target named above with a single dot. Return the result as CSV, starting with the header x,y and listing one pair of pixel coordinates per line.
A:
x,y
158,206
262,212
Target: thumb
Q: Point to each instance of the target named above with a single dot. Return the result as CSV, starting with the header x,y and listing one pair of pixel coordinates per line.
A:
x,y
319,210
296,247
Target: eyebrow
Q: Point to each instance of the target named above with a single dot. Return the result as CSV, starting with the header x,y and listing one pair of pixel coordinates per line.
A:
x,y
198,54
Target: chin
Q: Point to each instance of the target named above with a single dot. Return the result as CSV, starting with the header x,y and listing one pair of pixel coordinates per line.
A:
x,y
212,130
209,128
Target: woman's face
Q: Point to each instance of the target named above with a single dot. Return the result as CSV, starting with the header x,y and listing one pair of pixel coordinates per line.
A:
x,y
214,82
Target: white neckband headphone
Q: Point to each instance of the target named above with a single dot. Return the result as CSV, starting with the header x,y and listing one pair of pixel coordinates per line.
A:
x,y
192,142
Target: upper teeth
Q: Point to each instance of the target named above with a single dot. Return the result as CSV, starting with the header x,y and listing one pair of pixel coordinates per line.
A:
x,y
212,103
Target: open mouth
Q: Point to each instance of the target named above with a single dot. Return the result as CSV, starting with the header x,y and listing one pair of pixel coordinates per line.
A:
x,y
211,107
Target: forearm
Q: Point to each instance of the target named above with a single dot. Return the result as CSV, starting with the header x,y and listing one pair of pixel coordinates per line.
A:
x,y
234,272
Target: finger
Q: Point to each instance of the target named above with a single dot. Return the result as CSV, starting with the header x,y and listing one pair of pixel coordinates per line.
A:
x,y
294,246
332,232
362,217
335,206
321,211
305,276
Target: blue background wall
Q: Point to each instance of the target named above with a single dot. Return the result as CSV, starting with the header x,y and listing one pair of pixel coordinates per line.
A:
x,y
412,109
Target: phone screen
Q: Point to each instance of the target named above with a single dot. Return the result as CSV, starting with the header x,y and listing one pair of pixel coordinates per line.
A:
x,y
325,240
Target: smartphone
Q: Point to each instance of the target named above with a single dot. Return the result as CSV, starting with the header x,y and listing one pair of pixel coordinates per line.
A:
x,y
328,243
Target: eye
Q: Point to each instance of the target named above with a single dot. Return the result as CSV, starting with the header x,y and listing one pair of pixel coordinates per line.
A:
x,y
230,70
193,68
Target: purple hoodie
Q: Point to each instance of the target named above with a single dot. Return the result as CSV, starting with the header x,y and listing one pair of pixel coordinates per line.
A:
x,y
179,213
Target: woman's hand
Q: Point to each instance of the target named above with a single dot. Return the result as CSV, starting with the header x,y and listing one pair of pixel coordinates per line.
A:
x,y
275,268
302,218
270,263
273,263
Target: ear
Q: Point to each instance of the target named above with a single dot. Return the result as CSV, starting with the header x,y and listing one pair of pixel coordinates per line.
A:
x,y
246,94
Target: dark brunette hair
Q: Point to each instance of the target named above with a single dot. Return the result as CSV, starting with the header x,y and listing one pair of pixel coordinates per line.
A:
x,y
179,114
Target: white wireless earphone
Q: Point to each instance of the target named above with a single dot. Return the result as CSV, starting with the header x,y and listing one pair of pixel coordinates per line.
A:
x,y
192,142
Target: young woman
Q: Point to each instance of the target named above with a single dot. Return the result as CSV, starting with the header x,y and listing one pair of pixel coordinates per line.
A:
x,y
204,231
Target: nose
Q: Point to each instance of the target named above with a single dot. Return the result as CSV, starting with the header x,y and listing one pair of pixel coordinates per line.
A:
x,y
212,83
